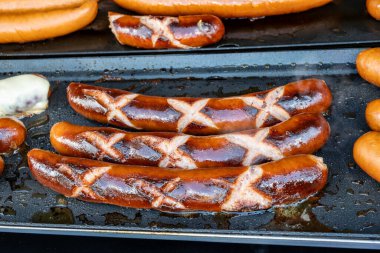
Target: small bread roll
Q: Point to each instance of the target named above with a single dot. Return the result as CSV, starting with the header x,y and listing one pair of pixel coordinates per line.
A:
x,y
368,65
373,8
372,115
367,154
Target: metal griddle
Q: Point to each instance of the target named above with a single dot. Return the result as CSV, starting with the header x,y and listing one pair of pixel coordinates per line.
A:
x,y
345,214
341,23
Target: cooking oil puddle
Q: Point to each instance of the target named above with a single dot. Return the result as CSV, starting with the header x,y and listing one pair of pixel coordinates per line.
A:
x,y
17,175
117,219
83,218
222,220
7,210
297,218
364,213
109,78
56,215
37,195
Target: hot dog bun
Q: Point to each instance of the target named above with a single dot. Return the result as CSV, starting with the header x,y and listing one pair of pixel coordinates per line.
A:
x,y
220,8
367,154
373,7
372,115
36,26
368,65
24,6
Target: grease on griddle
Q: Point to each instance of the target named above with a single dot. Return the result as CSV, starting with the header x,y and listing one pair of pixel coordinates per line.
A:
x,y
109,78
175,219
37,195
61,200
56,215
157,224
7,210
83,218
298,217
16,175
364,213
222,220
117,219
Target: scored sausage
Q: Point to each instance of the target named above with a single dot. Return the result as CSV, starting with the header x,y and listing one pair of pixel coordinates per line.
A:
x,y
199,116
166,32
1,165
12,134
301,134
220,8
232,189
34,26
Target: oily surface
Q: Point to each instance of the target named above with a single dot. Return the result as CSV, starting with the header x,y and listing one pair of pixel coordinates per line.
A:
x,y
343,22
349,203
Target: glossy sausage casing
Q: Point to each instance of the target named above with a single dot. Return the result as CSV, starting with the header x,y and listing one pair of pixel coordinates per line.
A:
x,y
220,8
1,165
232,189
199,116
12,134
301,134
166,32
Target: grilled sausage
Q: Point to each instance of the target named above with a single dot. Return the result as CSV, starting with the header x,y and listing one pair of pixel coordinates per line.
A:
x,y
166,32
199,116
220,8
367,154
23,95
372,115
373,7
28,6
368,65
301,134
1,165
232,189
12,134
34,26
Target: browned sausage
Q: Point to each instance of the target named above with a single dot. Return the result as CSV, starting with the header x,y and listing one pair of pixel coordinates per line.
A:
x,y
1,165
199,116
367,154
34,26
166,32
232,189
372,115
301,134
220,8
368,65
373,7
12,134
